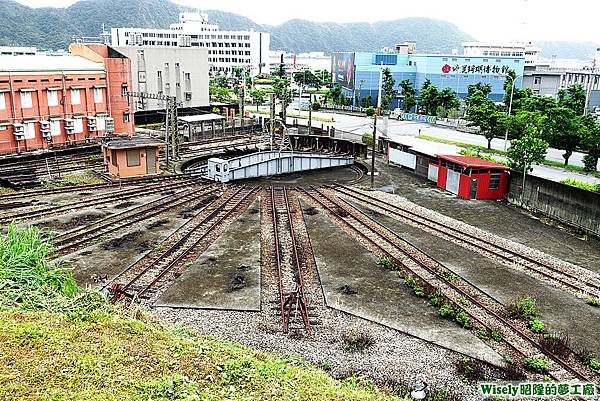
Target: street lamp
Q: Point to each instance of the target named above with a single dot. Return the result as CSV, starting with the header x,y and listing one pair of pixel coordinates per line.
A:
x,y
512,91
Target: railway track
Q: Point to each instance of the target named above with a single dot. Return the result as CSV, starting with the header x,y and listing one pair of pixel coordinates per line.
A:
x,y
85,236
12,196
289,261
96,200
484,312
580,282
143,279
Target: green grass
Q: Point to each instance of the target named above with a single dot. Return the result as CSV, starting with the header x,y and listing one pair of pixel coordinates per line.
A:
x,y
593,301
524,309
73,179
582,185
61,342
4,190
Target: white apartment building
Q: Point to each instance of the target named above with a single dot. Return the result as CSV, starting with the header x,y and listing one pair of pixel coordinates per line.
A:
x,y
507,49
177,71
226,49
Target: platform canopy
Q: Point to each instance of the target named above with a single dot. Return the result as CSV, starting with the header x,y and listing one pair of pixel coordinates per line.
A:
x,y
472,162
200,118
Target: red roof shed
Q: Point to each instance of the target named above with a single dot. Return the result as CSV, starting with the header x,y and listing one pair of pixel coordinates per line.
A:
x,y
472,178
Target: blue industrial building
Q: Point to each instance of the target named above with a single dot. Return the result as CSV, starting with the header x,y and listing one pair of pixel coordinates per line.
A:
x,y
358,73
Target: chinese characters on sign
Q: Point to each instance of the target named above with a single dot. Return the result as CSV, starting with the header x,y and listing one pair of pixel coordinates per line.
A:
x,y
476,69
539,389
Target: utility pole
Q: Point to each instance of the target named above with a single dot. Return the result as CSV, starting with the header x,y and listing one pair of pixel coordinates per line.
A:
x,y
272,122
309,113
377,114
242,98
589,88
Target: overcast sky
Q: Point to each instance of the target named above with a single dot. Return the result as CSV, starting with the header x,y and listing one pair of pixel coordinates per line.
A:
x,y
572,20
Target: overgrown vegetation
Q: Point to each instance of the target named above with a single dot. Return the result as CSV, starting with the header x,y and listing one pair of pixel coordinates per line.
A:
x,y
581,185
73,179
355,341
536,365
59,341
594,301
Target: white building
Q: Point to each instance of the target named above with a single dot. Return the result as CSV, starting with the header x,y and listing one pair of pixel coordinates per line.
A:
x,y
179,72
226,49
500,49
18,51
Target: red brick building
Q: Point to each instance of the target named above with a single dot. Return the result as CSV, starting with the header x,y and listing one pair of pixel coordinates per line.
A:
x,y
53,101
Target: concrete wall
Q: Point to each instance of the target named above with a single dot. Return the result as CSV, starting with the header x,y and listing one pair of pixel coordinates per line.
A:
x,y
572,206
147,62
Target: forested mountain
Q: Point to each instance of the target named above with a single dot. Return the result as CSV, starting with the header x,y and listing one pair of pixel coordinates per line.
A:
x,y
54,28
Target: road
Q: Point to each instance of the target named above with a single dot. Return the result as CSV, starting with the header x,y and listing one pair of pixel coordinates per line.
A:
x,y
355,126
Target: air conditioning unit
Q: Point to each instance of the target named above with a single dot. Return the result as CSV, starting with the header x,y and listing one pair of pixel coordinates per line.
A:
x,y
188,96
19,131
109,124
45,130
92,121
69,126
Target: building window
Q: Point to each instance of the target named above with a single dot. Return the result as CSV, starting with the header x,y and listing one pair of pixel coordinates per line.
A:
x,y
2,101
78,125
125,117
29,130
124,90
495,181
55,127
52,98
113,157
75,96
133,157
97,95
537,80
517,61
26,101
101,123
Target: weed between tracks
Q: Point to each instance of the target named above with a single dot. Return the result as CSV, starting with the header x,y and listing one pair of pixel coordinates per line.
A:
x,y
64,342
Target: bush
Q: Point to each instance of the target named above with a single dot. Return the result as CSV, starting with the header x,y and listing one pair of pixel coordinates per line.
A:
x,y
524,309
370,112
316,106
447,310
594,364
441,112
590,163
454,113
536,325
367,139
594,301
436,297
536,365
463,319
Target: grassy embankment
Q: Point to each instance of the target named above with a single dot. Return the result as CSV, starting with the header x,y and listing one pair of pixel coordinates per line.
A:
x,y
483,149
61,342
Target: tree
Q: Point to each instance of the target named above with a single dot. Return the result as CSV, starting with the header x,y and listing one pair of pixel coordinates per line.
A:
x,y
222,95
367,139
525,121
408,91
258,97
336,93
537,103
366,101
307,78
591,143
477,93
563,130
524,152
573,98
388,92
448,99
324,78
282,91
441,112
490,120
370,111
429,100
